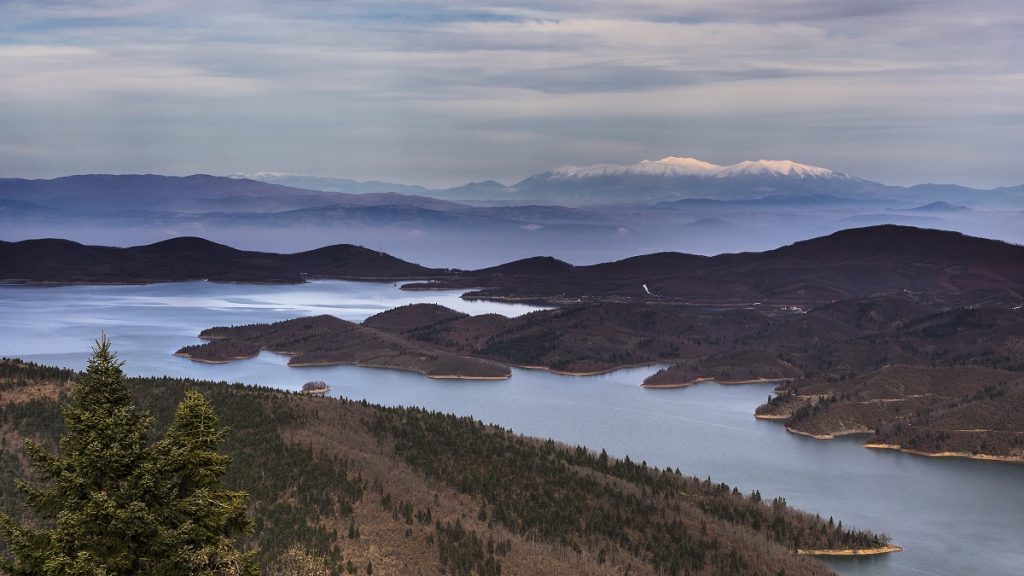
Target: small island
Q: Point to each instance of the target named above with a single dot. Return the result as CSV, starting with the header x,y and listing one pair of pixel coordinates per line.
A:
x,y
316,388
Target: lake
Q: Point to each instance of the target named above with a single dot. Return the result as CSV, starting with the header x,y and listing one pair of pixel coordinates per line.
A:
x,y
952,516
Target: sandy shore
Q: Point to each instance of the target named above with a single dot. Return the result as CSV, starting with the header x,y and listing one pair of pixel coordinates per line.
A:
x,y
830,436
710,379
852,551
772,416
968,455
590,373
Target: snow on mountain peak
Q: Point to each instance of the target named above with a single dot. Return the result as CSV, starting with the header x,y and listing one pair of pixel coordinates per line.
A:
x,y
670,166
683,166
777,168
258,175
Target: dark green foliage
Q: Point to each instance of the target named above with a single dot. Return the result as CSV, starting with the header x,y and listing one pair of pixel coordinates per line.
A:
x,y
574,498
285,452
111,502
200,517
287,507
463,553
262,464
92,503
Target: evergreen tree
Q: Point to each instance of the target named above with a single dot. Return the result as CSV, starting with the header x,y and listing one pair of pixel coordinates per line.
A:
x,y
109,503
200,518
93,519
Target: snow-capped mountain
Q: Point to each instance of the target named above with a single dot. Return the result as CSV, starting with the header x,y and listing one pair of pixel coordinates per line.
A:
x,y
669,179
674,178
675,166
670,166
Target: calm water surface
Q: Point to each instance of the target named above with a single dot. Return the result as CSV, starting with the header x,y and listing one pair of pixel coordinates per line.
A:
x,y
953,517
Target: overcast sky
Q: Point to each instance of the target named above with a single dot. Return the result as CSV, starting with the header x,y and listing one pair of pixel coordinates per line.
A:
x,y
441,92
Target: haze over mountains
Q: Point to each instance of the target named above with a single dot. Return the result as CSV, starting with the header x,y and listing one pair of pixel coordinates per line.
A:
x,y
582,214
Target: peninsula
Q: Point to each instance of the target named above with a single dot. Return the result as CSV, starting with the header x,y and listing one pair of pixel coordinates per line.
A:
x,y
906,370
326,340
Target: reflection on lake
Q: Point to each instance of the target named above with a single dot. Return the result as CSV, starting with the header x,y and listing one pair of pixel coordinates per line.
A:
x,y
953,517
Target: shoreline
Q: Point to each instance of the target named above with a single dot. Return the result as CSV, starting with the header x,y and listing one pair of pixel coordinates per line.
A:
x,y
303,279
413,370
772,416
341,363
206,361
897,447
458,377
712,379
828,436
964,455
888,549
588,373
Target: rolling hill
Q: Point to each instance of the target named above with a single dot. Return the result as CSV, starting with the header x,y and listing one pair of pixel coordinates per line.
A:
x,y
177,259
379,490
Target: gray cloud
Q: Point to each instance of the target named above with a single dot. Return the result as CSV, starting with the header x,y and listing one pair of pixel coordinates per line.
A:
x,y
441,92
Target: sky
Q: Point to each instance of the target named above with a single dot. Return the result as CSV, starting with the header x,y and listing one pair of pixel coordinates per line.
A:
x,y
442,92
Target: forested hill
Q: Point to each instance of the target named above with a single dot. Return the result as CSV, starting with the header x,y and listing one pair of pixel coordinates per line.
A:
x,y
850,263
404,491
187,258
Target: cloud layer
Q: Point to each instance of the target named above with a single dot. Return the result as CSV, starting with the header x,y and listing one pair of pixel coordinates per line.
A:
x,y
442,92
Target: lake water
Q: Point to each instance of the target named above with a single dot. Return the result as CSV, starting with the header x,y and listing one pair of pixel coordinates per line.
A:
x,y
953,517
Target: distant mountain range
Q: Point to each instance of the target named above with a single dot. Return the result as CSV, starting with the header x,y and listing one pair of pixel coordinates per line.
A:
x,y
670,178
578,213
196,194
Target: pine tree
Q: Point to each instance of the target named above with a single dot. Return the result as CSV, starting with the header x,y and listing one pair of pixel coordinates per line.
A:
x,y
200,518
112,504
93,517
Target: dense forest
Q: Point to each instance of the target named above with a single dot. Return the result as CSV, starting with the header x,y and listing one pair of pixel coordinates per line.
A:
x,y
347,487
